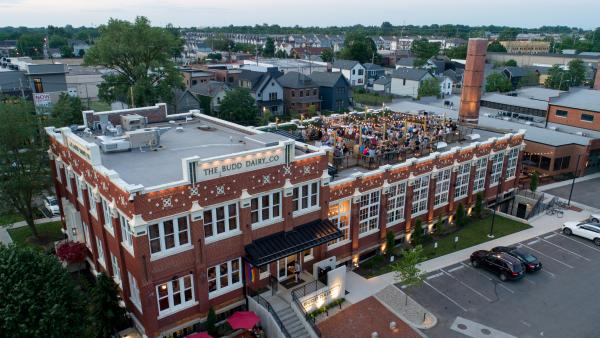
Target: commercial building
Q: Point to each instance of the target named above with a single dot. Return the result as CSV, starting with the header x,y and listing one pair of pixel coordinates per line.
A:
x,y
577,108
526,47
190,214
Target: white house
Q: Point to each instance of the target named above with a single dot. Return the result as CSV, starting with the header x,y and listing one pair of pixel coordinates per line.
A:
x,y
406,81
445,85
353,71
382,85
214,90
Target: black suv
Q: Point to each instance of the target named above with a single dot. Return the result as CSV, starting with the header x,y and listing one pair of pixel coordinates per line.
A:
x,y
505,265
530,262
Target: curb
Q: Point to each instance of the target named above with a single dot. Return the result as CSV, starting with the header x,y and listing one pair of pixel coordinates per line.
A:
x,y
401,316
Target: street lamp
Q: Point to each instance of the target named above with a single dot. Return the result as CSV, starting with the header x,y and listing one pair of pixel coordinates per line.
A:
x,y
574,177
491,234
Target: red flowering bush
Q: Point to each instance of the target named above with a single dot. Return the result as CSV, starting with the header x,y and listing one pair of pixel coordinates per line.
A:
x,y
71,252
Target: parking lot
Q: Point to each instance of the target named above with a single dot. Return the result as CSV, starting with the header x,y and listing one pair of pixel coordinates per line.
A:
x,y
561,300
583,192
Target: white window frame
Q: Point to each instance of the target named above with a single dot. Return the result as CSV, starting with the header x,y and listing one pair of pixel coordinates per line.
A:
x,y
420,195
264,274
396,203
57,165
480,174
91,200
497,163
368,213
134,291
177,248
126,233
227,218
511,165
461,186
271,218
442,187
106,212
336,218
79,186
169,285
86,235
116,270
299,197
230,285
100,248
309,257
68,183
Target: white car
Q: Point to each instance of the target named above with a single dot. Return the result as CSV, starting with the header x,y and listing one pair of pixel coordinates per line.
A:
x,y
595,218
51,204
587,230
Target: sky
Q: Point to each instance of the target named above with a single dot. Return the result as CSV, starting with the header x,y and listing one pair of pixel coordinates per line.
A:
x,y
201,13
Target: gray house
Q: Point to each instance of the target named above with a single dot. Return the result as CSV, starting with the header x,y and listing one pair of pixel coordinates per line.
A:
x,y
334,89
210,94
183,102
374,72
407,81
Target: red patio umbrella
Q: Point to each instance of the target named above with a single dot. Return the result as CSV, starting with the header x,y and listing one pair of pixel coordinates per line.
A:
x,y
199,335
243,320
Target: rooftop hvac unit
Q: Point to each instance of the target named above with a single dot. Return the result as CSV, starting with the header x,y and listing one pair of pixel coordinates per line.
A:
x,y
113,145
132,122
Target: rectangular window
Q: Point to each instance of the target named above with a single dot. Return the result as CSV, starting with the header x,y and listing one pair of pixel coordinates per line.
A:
x,y
57,165
396,202
169,235
126,233
224,277
175,294
135,292
264,271
420,195
306,196
38,86
368,214
91,200
108,224
462,181
442,186
79,184
339,215
561,163
116,270
100,249
86,235
561,113
293,93
220,220
273,96
511,165
301,93
587,117
68,176
480,173
497,162
307,255
265,208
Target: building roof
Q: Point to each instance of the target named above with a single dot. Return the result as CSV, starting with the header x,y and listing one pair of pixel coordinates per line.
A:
x,y
210,88
451,74
383,81
372,67
586,99
344,64
327,79
515,71
295,80
538,93
406,62
516,101
410,74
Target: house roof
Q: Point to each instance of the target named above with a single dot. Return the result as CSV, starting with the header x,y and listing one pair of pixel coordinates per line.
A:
x,y
516,101
295,80
410,74
372,66
383,81
344,64
327,79
406,62
515,71
210,88
585,99
451,74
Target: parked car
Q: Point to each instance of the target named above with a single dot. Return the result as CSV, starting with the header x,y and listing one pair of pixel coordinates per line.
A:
x,y
51,204
587,230
501,263
530,262
595,218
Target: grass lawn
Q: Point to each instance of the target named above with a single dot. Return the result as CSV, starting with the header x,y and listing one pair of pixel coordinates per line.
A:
x,y
99,106
48,232
475,232
10,218
371,99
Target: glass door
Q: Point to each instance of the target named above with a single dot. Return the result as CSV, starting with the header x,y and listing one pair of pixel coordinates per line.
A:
x,y
286,267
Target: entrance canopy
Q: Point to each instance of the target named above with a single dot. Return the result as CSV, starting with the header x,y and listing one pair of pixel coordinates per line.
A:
x,y
282,244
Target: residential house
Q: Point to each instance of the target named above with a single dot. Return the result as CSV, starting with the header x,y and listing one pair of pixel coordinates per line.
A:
x,y
192,77
352,70
79,47
455,75
210,94
374,72
300,93
382,85
334,90
305,52
407,81
8,47
406,62
265,89
183,101
404,43
84,81
446,85
514,74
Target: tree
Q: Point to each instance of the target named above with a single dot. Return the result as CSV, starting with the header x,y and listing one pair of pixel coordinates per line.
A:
x,y
215,56
508,33
327,55
23,159
67,111
461,215
557,78
530,79
429,87
219,42
496,47
106,313
576,72
534,182
511,63
57,41
140,55
239,106
211,322
390,242
498,82
478,209
269,50
423,50
359,47
281,54
419,236
458,52
440,227
66,51
406,270
38,298
31,44
386,28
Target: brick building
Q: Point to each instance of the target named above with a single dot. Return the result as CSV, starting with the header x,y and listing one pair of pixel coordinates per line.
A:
x,y
188,215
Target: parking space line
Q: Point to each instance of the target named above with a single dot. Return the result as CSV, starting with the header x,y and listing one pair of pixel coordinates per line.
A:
x,y
446,296
467,286
567,250
456,268
529,281
489,278
550,236
552,258
501,284
574,240
435,276
533,242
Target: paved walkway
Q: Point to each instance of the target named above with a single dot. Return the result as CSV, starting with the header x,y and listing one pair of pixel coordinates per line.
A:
x,y
5,236
406,308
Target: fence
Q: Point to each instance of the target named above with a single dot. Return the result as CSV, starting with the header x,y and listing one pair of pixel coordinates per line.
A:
x,y
301,292
267,306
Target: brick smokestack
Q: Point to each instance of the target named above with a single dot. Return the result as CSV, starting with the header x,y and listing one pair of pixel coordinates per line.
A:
x,y
597,79
473,81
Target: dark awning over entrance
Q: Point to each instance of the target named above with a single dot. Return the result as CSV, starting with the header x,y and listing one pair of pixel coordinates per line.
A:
x,y
282,244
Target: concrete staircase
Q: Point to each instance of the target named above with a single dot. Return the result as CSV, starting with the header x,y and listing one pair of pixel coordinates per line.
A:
x,y
292,323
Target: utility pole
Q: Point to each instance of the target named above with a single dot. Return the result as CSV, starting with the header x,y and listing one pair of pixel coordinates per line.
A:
x,y
131,93
574,176
21,87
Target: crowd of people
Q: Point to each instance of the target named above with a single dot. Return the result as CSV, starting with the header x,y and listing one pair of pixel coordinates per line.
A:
x,y
381,136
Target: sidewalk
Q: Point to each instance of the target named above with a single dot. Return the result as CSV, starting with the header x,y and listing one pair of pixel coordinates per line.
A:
x,y
5,236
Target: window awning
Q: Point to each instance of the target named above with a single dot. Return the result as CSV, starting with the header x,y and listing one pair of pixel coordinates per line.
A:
x,y
282,244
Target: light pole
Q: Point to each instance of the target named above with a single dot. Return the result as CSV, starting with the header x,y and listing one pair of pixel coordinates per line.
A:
x,y
574,177
499,186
